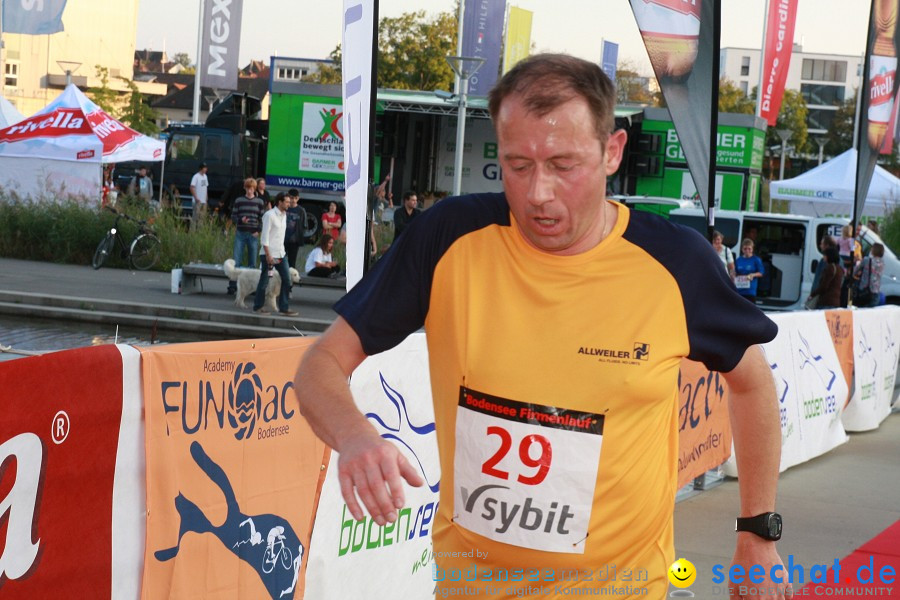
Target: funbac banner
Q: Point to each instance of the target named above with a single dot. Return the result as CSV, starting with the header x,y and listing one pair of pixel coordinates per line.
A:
x,y
878,101
72,475
779,43
233,470
33,17
221,44
704,429
357,94
682,42
482,38
518,37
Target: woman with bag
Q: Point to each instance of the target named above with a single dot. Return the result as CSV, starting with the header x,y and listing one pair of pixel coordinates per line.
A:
x,y
867,278
724,253
828,292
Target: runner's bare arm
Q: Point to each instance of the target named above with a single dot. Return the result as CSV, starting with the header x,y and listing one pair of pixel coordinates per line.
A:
x,y
368,466
756,426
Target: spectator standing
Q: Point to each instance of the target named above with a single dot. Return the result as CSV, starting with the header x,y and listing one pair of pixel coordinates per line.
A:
x,y
246,214
748,269
552,251
263,193
141,186
331,222
200,194
724,252
272,240
867,273
406,213
320,263
295,228
828,290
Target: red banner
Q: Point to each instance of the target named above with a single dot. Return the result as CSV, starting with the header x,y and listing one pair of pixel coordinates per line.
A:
x,y
778,46
60,431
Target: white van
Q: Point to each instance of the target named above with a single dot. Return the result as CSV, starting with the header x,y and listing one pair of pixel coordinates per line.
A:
x,y
788,247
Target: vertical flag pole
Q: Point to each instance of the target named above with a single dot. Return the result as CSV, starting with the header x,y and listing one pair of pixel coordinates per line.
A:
x,y
762,59
459,40
199,63
373,177
714,117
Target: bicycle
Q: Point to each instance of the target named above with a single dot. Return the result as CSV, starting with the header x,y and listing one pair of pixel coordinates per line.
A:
x,y
142,253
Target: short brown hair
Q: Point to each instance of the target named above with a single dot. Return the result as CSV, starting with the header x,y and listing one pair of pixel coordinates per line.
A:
x,y
546,81
877,250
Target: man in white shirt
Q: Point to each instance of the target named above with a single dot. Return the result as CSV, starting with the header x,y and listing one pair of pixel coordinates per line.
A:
x,y
200,193
273,253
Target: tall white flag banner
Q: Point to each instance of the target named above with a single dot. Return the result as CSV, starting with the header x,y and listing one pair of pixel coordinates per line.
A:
x,y
356,69
33,17
221,44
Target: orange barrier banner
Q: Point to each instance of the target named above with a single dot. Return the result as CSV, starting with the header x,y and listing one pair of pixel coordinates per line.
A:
x,y
704,431
233,470
840,326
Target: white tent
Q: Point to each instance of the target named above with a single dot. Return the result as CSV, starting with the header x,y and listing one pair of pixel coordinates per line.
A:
x,y
59,150
828,189
8,113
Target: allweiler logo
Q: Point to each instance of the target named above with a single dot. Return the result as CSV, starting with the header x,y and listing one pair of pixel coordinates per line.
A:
x,y
640,352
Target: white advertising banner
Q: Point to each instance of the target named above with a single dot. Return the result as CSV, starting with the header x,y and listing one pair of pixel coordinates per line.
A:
x,y
809,384
481,166
876,343
322,138
393,390
356,69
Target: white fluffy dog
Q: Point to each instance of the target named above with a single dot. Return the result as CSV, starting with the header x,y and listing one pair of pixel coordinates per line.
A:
x,y
248,279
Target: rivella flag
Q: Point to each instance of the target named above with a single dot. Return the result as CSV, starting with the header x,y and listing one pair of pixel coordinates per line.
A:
x,y
33,17
356,91
779,44
221,44
482,36
878,101
682,43
518,37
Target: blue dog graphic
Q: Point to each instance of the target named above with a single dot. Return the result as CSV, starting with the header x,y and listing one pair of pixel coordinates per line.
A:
x,y
276,561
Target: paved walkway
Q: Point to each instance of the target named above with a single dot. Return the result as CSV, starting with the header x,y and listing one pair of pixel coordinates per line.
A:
x,y
831,505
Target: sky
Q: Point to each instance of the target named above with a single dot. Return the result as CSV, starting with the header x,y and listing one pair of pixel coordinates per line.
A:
x,y
312,28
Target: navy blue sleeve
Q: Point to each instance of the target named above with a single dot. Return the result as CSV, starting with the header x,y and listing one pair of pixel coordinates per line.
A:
x,y
392,299
721,323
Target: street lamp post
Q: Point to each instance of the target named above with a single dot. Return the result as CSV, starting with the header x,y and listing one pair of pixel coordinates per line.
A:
x,y
464,67
785,135
69,66
821,142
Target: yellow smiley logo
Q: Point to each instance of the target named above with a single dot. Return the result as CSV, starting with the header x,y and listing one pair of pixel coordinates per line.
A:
x,y
682,573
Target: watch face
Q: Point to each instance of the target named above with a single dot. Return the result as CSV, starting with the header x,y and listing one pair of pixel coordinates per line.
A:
x,y
774,526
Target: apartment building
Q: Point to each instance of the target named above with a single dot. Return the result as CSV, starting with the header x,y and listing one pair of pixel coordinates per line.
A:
x,y
824,80
96,33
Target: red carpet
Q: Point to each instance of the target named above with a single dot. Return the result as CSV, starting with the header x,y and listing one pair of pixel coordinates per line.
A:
x,y
882,550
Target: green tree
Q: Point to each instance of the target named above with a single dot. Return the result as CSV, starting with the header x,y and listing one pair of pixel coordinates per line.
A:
x,y
182,59
412,51
104,96
137,113
732,99
630,87
792,116
840,134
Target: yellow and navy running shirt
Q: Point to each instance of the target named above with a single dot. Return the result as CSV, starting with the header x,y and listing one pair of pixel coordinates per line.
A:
x,y
554,380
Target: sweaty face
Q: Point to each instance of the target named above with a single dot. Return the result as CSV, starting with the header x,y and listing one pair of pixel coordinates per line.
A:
x,y
554,174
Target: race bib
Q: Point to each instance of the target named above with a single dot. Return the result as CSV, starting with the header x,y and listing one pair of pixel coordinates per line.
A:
x,y
742,282
525,473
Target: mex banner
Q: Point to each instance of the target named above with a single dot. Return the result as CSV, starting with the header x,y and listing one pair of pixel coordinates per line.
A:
x,y
682,41
877,104
233,470
33,17
72,475
221,43
778,44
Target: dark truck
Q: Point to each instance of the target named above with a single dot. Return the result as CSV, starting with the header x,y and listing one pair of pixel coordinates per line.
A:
x,y
232,144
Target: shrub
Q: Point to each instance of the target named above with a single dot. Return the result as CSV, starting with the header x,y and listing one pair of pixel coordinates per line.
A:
x,y
890,228
68,231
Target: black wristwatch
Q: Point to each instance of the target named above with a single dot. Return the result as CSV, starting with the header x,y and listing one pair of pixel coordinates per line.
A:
x,y
767,525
